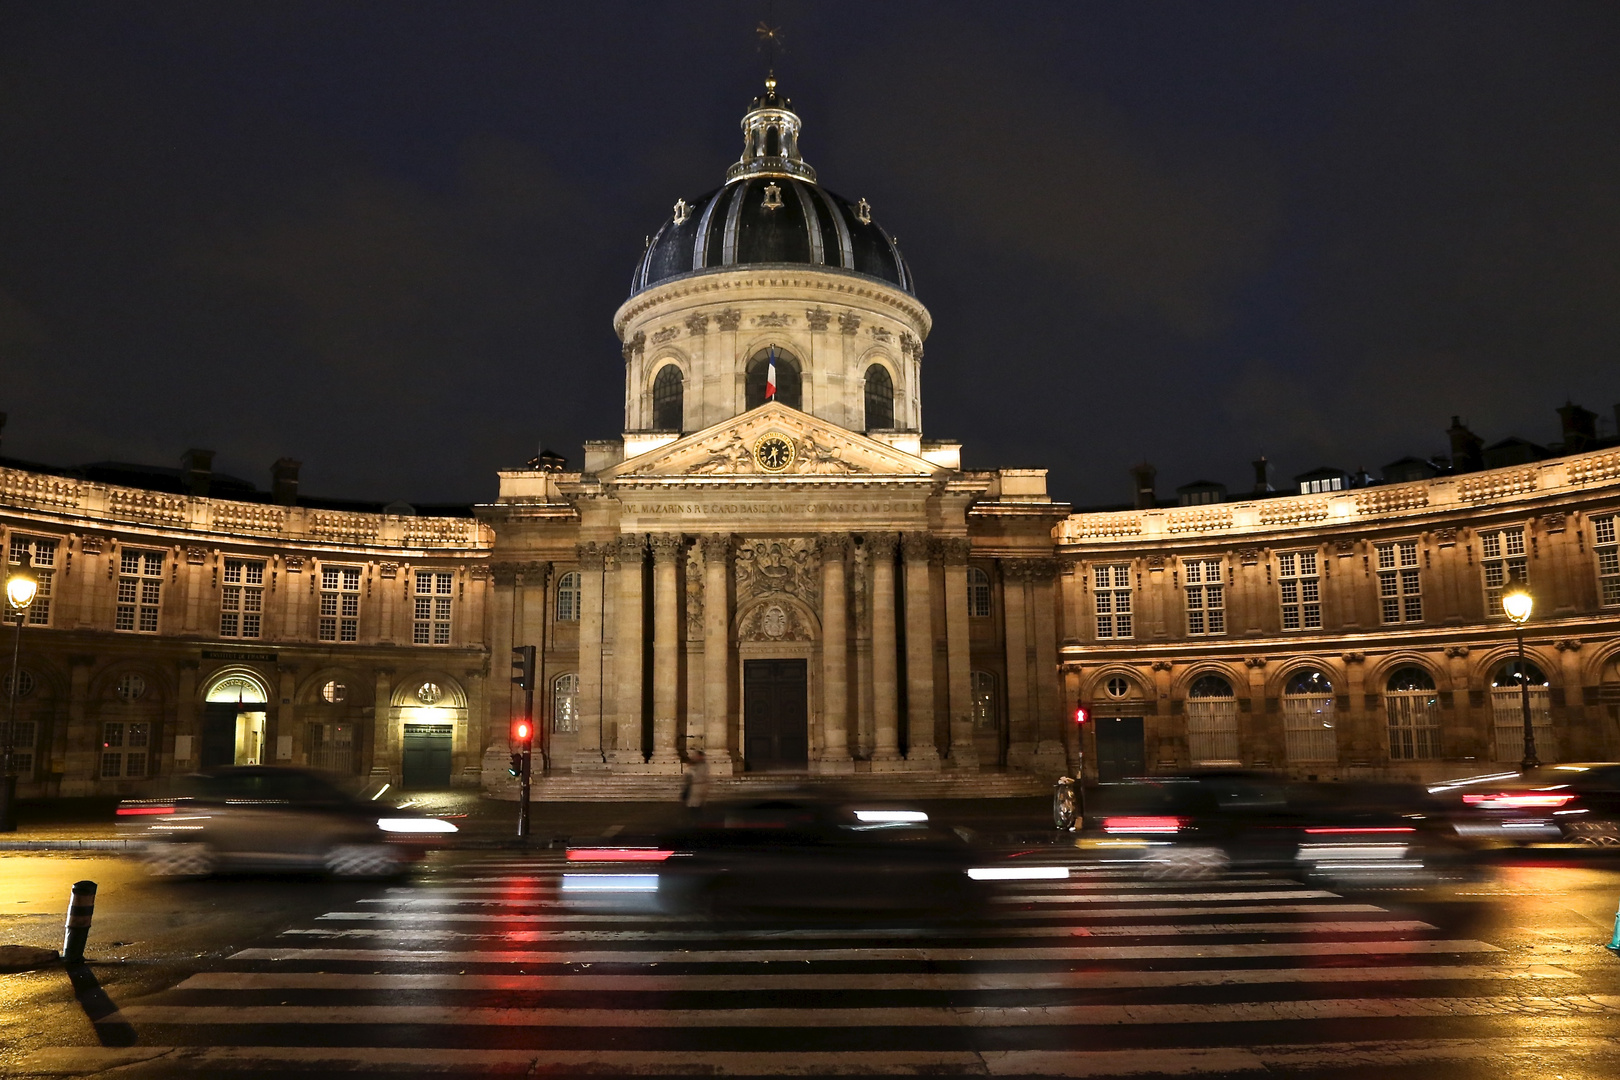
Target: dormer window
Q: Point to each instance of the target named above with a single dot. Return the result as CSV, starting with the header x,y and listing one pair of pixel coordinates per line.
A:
x,y
773,197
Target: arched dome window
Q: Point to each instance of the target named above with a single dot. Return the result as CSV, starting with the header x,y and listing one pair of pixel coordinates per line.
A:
x,y
1212,721
668,393
788,386
1413,710
879,398
1507,711
1308,720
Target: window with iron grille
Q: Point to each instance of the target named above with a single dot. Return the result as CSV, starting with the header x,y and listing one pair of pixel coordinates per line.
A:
x,y
140,591
565,703
44,555
241,599
124,748
1501,557
22,746
1511,684
568,597
1400,595
1412,707
1206,596
1112,596
434,591
1212,721
978,593
1308,718
1300,590
1608,560
340,603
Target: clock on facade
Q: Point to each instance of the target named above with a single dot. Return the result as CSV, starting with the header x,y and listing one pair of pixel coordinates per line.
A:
x,y
774,452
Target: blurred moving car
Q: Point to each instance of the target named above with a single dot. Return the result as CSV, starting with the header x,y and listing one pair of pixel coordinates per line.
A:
x,y
1577,803
261,817
1200,824
790,855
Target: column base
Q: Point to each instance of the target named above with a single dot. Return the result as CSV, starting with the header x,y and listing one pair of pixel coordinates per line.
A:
x,y
833,766
963,759
588,761
1049,759
888,762
720,763
923,759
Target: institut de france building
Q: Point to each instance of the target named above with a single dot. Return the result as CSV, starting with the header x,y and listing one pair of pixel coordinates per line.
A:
x,y
774,568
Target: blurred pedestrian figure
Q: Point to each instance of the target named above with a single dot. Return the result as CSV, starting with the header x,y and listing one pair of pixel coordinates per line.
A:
x,y
695,788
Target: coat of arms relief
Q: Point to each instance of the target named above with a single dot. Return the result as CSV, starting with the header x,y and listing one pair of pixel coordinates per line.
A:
x,y
769,571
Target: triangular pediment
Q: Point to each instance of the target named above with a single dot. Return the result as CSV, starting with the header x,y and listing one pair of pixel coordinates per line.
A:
x,y
743,446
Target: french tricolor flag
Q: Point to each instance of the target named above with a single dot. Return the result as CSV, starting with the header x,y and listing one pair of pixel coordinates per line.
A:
x,y
770,376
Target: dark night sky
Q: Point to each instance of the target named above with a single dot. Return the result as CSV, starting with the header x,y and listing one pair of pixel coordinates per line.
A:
x,y
388,238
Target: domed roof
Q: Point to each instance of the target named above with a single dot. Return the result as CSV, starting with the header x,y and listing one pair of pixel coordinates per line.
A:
x,y
771,210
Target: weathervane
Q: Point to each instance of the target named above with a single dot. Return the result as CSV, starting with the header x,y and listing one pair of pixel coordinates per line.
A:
x,y
770,40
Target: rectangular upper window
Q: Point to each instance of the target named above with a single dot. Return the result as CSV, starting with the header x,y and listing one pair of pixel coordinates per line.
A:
x,y
431,622
1112,596
1501,558
43,551
1400,592
241,599
1299,590
340,603
1206,596
140,591
1608,560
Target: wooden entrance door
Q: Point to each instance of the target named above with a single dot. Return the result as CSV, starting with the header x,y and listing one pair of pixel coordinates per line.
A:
x,y
1120,752
776,715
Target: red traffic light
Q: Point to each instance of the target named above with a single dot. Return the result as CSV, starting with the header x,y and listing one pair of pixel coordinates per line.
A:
x,y
522,731
1082,714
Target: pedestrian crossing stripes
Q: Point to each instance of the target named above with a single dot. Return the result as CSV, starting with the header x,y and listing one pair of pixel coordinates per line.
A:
x,y
481,967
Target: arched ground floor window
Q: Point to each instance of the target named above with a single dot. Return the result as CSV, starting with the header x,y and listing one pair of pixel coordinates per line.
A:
x,y
1412,708
565,703
1507,711
1308,718
984,701
1212,722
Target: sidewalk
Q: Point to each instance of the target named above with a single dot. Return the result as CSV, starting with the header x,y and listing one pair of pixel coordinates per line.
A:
x,y
89,824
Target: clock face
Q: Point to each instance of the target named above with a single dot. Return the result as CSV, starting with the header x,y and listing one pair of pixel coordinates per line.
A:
x,y
774,452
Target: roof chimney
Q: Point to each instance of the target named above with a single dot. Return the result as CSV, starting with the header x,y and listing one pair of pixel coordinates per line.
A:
x,y
1580,427
284,481
197,469
1143,474
1262,476
1467,449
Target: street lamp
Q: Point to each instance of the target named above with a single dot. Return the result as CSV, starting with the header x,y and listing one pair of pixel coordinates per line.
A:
x,y
1516,604
22,585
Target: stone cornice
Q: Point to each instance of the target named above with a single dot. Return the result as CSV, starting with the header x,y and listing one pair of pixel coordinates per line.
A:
x,y
728,284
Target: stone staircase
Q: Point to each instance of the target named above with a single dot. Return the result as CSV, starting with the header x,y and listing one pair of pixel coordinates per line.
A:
x,y
610,787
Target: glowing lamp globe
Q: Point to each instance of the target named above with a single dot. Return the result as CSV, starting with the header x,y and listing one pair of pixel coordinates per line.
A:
x,y
1517,602
22,585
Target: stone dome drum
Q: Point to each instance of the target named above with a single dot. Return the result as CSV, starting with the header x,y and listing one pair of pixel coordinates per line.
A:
x,y
771,211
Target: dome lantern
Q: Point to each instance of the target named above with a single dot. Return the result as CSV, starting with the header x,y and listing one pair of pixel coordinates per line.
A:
x,y
770,139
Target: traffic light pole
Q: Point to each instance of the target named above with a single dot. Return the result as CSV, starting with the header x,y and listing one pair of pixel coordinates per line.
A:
x,y
525,778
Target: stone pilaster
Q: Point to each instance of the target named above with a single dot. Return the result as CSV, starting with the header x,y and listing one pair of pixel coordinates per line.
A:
x,y
958,665
385,750
667,636
1021,734
717,654
835,756
629,640
921,750
592,573
885,676
1047,696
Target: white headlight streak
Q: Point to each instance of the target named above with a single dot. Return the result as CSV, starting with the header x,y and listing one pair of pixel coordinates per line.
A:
x,y
1018,873
414,825
610,883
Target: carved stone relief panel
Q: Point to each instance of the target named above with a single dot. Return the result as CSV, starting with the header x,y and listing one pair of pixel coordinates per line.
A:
x,y
787,566
774,622
694,593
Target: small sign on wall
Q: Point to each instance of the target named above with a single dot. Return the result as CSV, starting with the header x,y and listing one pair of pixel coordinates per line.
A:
x,y
182,748
283,747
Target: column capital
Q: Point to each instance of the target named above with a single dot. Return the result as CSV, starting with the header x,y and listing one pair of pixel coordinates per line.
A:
x,y
1032,570
834,546
916,546
881,545
954,550
716,546
631,547
665,546
592,555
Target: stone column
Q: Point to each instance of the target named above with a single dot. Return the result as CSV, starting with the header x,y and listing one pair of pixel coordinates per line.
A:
x,y
185,721
384,750
717,654
1047,699
885,677
921,750
1020,731
958,662
592,570
835,757
469,745
666,650
286,720
629,641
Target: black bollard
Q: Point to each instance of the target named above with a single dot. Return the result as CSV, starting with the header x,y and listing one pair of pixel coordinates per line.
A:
x,y
81,908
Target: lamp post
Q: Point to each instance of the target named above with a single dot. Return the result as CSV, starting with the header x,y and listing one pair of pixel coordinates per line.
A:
x,y
1516,604
22,585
